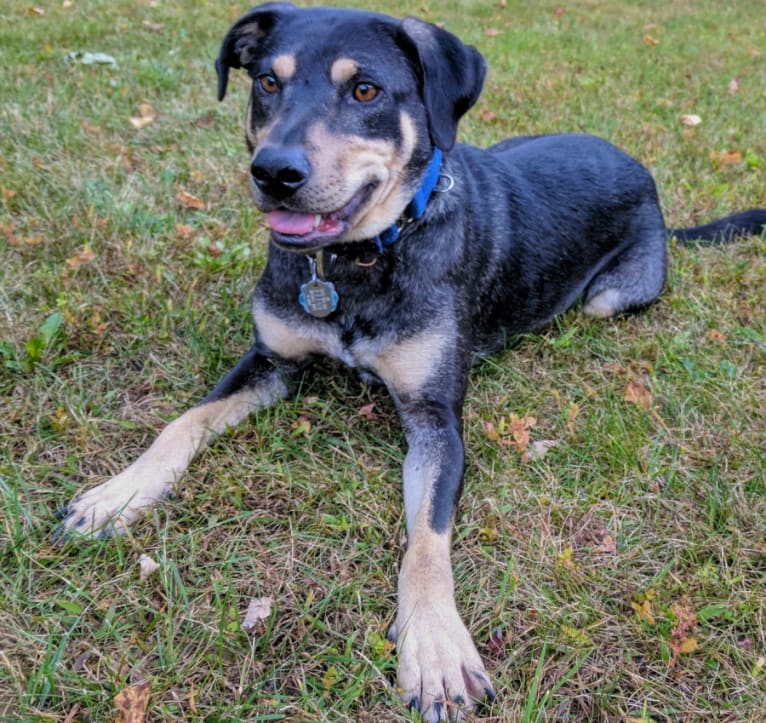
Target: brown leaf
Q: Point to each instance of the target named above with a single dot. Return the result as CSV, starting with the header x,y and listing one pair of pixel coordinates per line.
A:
x,y
132,702
638,394
258,610
190,202
607,545
146,115
35,11
650,41
725,158
367,411
84,256
487,115
184,231
716,336
519,428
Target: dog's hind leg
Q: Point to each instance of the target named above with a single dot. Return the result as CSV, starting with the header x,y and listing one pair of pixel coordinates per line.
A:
x,y
109,508
634,278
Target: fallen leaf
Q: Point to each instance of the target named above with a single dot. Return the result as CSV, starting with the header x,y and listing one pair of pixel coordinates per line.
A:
x,y
733,86
85,57
644,609
35,11
725,158
539,448
650,41
688,645
214,249
132,702
753,53
716,336
487,115
567,560
149,25
607,545
638,394
147,566
7,193
84,256
689,119
258,610
191,202
491,32
184,231
519,428
367,411
146,115
559,11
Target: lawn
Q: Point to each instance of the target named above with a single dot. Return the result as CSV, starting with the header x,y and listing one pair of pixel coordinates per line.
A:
x,y
610,567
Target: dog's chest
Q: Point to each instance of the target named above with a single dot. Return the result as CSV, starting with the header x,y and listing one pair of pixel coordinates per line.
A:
x,y
296,339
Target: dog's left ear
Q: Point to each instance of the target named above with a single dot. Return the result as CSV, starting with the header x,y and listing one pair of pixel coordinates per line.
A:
x,y
240,44
451,73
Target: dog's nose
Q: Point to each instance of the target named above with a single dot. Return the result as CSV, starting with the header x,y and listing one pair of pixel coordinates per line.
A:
x,y
280,172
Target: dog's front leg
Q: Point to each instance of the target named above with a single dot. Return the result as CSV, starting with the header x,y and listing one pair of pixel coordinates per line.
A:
x,y
109,508
440,671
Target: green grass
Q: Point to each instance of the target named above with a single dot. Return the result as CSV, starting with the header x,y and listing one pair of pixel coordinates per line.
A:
x,y
573,571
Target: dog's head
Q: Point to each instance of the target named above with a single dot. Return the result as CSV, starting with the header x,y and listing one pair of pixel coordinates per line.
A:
x,y
345,111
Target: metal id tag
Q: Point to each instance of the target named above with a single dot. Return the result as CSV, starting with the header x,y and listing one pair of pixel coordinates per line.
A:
x,y
318,298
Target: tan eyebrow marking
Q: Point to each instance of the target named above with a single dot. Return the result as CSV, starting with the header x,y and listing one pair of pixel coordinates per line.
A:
x,y
284,67
342,70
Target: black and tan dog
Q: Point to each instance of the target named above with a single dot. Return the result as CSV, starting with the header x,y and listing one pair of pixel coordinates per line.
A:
x,y
404,255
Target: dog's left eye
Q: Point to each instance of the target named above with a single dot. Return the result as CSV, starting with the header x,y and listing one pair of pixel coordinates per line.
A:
x,y
268,83
365,92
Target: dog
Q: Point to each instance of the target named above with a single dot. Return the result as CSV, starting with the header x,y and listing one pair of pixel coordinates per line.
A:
x,y
404,255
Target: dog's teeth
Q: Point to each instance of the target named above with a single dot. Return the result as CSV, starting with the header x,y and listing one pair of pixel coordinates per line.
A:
x,y
317,219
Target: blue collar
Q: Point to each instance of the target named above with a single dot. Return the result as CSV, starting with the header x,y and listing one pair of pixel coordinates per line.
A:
x,y
417,206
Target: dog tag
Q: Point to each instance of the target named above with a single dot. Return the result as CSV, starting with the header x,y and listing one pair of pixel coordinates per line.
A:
x,y
318,298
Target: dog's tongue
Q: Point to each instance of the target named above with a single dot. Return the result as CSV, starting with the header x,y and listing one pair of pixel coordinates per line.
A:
x,y
290,223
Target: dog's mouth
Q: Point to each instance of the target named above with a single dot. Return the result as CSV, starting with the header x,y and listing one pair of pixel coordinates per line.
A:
x,y
305,232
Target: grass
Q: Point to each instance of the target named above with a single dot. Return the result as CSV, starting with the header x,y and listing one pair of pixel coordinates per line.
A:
x,y
621,576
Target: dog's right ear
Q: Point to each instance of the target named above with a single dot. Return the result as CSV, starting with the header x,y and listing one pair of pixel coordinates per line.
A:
x,y
238,47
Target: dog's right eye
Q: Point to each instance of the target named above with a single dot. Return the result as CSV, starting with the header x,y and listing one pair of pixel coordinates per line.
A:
x,y
268,83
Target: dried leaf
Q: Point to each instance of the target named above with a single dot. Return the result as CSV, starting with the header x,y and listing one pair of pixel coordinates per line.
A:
x,y
35,11
725,158
607,545
487,115
184,231
567,560
84,256
491,32
258,610
146,115
638,394
146,566
539,448
644,610
132,702
650,41
689,119
367,411
688,645
191,202
716,336
733,86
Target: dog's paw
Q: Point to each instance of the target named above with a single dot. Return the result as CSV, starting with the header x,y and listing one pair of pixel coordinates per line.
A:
x,y
440,672
111,507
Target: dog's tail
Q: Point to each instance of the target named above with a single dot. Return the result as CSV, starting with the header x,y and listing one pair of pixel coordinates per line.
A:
x,y
725,229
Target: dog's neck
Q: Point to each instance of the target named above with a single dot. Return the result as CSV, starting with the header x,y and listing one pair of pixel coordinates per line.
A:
x,y
417,206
